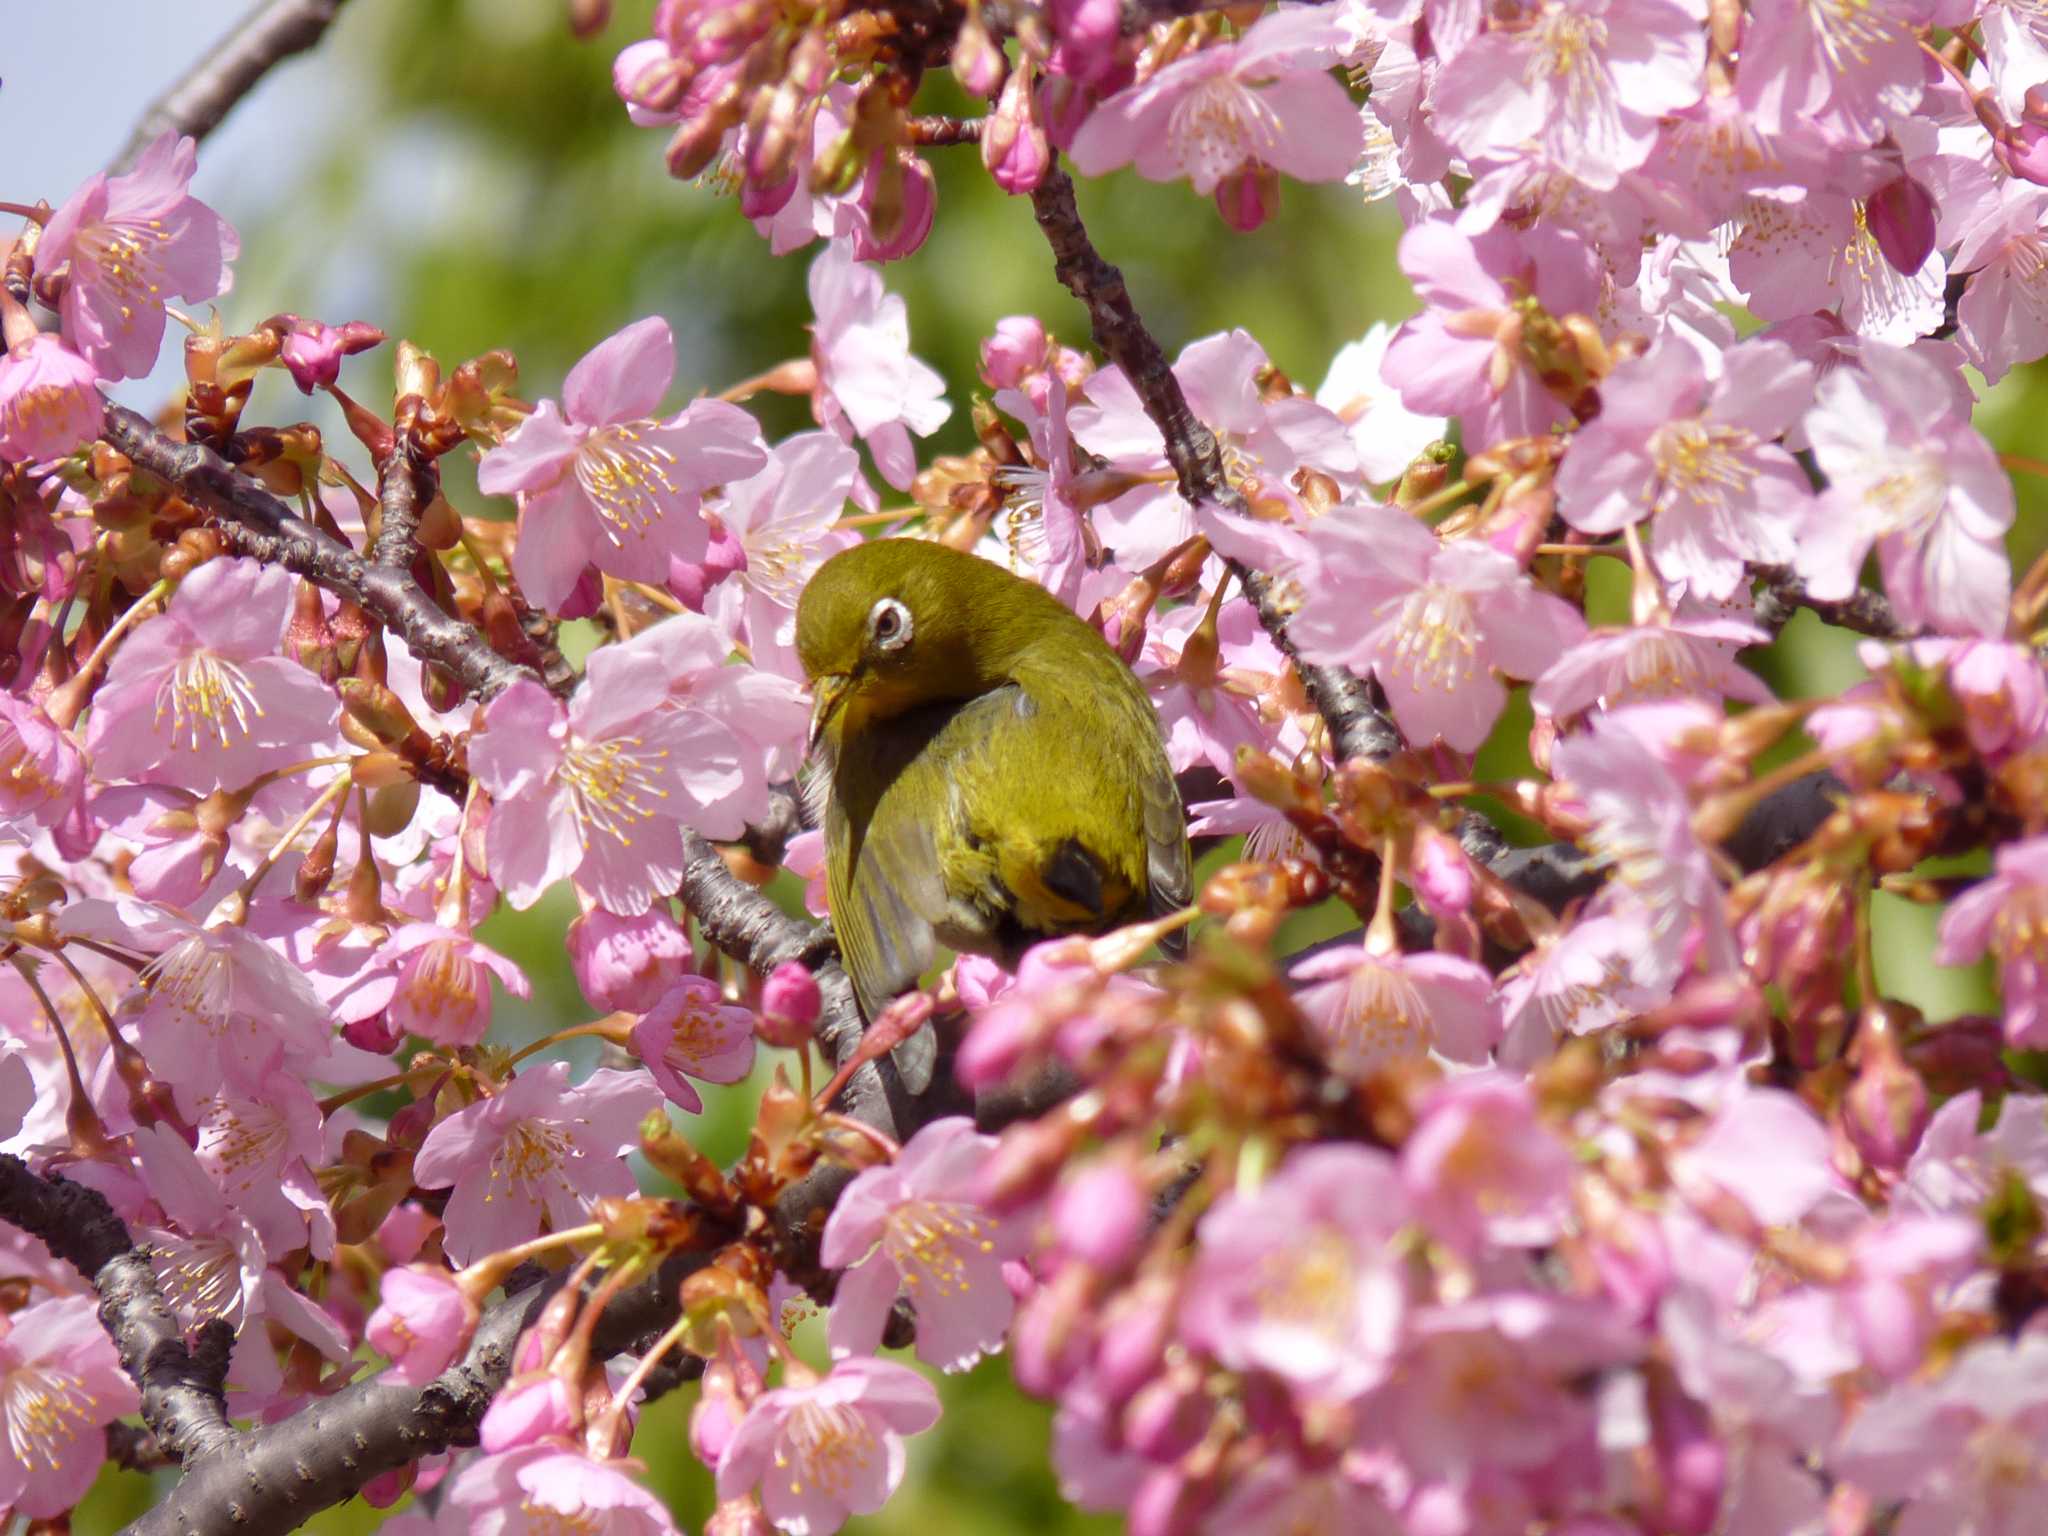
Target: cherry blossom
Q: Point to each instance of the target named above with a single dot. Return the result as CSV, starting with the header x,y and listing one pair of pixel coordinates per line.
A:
x,y
201,696
692,1032
540,1148
602,481
821,1450
60,1386
2008,915
1910,476
422,1323
784,521
1369,1010
535,1490
126,244
918,1223
1265,100
49,401
1434,620
868,383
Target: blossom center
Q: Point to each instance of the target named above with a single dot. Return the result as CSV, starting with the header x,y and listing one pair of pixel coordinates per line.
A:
x,y
1910,491
125,257
627,478
201,1276
831,1444
1705,462
1849,31
1569,46
612,787
208,700
194,978
2021,929
47,1410
444,982
544,1520
1311,1285
1382,1019
930,1243
1433,638
22,780
1218,126
531,1151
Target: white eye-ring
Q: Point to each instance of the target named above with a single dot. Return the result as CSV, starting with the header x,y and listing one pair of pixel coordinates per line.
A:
x,y
889,625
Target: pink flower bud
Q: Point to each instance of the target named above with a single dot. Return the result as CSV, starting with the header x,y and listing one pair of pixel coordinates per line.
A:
x,y
1163,1506
1013,142
1049,1335
1901,218
49,401
1166,1419
1098,1215
1885,1109
531,1408
1693,1463
377,1034
1247,198
1016,350
920,203
789,1006
1438,873
717,1414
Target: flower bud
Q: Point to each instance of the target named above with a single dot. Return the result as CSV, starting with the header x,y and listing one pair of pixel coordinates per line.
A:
x,y
627,964
1886,1108
1099,1214
1166,1419
1016,350
1247,198
1013,142
790,1004
1900,215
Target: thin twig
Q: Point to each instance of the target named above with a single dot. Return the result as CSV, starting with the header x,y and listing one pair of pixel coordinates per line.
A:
x,y
1358,728
196,104
406,482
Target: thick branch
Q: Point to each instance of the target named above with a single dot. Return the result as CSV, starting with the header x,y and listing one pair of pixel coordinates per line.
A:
x,y
1358,728
405,484
196,104
257,524
182,1399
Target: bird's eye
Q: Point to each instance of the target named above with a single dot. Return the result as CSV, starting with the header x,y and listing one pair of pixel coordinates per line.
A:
x,y
889,625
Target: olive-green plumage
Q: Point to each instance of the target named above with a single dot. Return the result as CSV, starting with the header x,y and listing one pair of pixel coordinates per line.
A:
x,y
997,775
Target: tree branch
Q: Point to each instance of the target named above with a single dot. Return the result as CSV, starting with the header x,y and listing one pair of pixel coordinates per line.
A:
x,y
257,524
1358,727
406,481
1866,612
196,104
182,1398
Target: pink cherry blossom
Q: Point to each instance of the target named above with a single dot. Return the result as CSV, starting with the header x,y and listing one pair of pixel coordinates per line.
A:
x,y
1583,80
538,1148
1297,1278
42,772
1464,356
129,243
61,1384
1917,480
822,1450
868,383
627,963
261,1150
600,790
1497,1379
1840,75
1689,657
435,983
2008,915
785,520
918,1223
201,697
538,1490
1966,1452
1697,453
1387,435
1792,258
422,1324
1368,1011
602,481
1641,828
1434,619
1266,99
2003,315
222,1006
1481,1167
49,401
693,1032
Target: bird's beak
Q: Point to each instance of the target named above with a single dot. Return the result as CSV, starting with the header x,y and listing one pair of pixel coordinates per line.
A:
x,y
826,692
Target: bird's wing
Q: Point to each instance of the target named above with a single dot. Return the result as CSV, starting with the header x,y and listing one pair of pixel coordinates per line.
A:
x,y
1168,874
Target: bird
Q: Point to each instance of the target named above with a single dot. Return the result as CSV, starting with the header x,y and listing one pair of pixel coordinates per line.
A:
x,y
994,773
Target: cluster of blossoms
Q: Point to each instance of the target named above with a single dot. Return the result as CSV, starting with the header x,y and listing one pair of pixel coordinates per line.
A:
x,y
1597,1186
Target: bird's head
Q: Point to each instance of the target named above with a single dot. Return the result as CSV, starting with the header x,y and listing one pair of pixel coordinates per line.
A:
x,y
891,624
